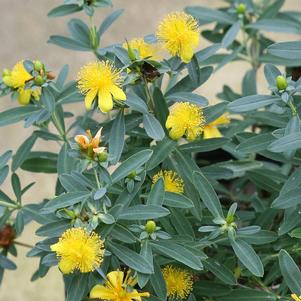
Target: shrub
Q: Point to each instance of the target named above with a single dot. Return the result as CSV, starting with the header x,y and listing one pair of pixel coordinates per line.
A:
x,y
160,196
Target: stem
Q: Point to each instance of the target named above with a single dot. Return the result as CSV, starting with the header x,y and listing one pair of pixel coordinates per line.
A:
x,y
293,108
150,101
5,204
96,178
23,244
93,35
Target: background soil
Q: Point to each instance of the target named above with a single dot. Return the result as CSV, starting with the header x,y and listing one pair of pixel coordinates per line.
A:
x,y
24,32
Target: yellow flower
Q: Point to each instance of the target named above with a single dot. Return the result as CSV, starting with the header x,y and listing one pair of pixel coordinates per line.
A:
x,y
100,79
90,144
179,34
145,50
17,77
117,287
178,282
172,182
295,297
211,130
77,249
185,119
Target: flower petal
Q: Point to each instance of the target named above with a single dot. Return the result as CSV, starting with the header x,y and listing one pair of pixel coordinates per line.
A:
x,y
105,101
89,98
116,278
101,292
24,96
82,140
186,53
117,93
66,266
211,132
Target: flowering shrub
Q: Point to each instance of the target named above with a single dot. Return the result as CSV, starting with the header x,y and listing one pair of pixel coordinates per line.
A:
x,y
159,195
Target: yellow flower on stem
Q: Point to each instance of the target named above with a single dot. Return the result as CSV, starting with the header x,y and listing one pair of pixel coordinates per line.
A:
x,y
295,297
178,282
101,80
179,34
78,250
145,50
185,119
17,77
211,129
118,287
89,144
172,182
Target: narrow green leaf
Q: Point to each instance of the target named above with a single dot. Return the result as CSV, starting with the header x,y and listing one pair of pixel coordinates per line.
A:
x,y
143,212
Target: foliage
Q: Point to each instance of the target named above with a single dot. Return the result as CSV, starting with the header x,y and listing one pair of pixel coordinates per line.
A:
x,y
172,187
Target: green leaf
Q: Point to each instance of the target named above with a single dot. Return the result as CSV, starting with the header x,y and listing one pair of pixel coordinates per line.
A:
x,y
286,143
188,96
248,295
161,110
153,127
3,173
158,282
178,253
43,162
48,99
213,112
68,43
285,50
296,233
231,34
210,15
248,257
7,264
79,31
16,114
108,21
276,25
271,72
65,200
131,164
204,145
256,144
157,193
253,102
177,200
161,152
116,139
53,229
136,103
143,212
290,272
77,287
130,258
66,163
5,157
64,10
220,271
207,194
207,52
249,83
187,85
23,152
288,199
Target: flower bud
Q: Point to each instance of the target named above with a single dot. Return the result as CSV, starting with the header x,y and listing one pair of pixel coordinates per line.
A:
x,y
132,175
241,8
39,80
281,82
150,227
7,236
102,157
38,66
50,75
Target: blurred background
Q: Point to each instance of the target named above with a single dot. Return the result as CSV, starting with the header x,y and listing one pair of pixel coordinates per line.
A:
x,y
25,29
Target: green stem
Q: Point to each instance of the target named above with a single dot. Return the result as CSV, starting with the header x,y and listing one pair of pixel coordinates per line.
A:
x,y
150,101
293,108
23,244
8,205
96,178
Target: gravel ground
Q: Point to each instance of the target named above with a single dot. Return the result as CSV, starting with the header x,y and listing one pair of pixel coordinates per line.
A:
x,y
25,29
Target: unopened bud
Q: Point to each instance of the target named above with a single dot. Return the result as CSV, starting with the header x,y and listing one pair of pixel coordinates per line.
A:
x,y
39,80
50,75
132,175
150,227
281,82
241,8
102,157
38,66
